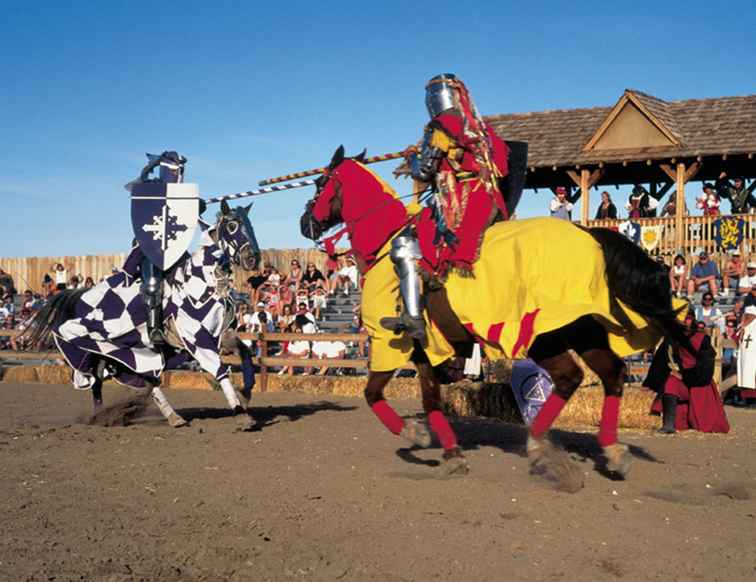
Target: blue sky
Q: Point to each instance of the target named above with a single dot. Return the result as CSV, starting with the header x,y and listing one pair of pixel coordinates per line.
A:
x,y
248,90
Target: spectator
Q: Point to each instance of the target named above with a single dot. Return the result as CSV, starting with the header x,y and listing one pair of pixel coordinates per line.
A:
x,y
331,267
48,285
297,349
746,282
708,201
704,274
260,321
733,272
318,299
741,198
73,283
286,294
89,283
312,278
678,275
670,208
255,281
328,350
295,275
274,277
305,320
61,276
349,276
709,314
641,204
606,209
6,283
687,396
286,318
562,204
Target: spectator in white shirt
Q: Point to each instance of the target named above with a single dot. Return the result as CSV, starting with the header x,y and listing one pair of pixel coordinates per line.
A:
x,y
745,283
349,276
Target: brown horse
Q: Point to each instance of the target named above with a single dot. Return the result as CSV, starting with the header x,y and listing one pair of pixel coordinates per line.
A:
x,y
627,302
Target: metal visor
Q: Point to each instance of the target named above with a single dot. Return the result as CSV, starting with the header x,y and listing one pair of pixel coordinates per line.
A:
x,y
438,98
164,218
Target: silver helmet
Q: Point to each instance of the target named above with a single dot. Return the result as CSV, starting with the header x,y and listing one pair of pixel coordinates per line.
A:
x,y
439,94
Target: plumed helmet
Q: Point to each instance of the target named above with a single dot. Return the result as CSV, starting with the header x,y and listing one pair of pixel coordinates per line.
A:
x,y
439,94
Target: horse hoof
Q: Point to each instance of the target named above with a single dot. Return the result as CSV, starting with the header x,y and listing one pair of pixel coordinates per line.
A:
x,y
176,421
416,433
455,462
97,407
554,466
244,422
618,459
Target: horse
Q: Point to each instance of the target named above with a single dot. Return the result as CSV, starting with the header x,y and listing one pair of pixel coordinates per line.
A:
x,y
540,287
101,332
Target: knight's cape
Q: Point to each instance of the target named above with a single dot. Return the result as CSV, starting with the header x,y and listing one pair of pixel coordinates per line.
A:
x,y
533,276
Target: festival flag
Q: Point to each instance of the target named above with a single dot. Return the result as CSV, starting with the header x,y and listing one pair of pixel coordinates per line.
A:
x,y
650,237
631,230
728,232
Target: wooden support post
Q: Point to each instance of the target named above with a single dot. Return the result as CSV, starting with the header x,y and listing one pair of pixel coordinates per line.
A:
x,y
263,368
680,235
585,193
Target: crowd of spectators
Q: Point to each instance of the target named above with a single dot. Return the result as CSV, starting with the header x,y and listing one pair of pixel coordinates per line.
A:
x,y
644,204
295,302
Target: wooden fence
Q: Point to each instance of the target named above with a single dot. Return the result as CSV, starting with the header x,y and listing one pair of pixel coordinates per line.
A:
x,y
698,235
266,361
28,272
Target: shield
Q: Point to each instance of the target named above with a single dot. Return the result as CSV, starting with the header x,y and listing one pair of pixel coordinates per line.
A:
x,y
164,217
650,237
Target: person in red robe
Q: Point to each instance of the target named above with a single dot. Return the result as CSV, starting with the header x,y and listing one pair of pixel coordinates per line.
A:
x,y
687,396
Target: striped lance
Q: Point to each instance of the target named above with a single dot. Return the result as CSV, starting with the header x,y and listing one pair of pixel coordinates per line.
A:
x,y
315,171
266,190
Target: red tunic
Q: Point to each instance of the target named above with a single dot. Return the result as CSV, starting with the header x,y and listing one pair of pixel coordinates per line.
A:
x,y
471,202
699,407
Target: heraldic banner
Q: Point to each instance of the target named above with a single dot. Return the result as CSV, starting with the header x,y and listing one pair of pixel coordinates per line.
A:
x,y
650,237
728,232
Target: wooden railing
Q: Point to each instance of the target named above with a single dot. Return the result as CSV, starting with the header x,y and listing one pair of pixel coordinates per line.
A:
x,y
698,234
266,361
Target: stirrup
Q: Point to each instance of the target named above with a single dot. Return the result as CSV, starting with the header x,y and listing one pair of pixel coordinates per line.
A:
x,y
412,326
157,338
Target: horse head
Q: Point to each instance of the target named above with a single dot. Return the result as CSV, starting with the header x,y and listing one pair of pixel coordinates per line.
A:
x,y
324,210
237,237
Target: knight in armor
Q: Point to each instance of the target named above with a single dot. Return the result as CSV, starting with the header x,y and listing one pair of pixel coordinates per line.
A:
x,y
463,163
169,167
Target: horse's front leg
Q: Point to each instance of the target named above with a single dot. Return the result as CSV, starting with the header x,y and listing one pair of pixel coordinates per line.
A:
x,y
412,431
454,460
174,418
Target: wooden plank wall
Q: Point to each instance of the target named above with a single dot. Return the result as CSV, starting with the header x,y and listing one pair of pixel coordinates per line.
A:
x,y
28,272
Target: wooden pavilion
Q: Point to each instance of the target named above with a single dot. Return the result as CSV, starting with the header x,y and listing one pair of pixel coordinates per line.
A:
x,y
640,140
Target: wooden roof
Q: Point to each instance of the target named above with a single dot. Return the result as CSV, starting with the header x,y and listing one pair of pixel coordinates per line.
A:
x,y
686,129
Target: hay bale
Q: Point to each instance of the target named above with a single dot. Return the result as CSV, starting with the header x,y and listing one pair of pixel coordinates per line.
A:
x,y
20,374
53,374
185,380
493,400
584,409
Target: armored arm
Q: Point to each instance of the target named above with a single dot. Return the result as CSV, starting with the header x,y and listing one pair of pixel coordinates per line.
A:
x,y
424,164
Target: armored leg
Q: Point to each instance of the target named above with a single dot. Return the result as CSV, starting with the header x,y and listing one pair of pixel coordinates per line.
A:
x,y
405,252
152,289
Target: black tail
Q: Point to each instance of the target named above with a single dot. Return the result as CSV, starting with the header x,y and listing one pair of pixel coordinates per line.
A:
x,y
60,308
640,282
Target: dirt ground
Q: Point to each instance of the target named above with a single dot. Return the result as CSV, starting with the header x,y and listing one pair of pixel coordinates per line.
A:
x,y
322,492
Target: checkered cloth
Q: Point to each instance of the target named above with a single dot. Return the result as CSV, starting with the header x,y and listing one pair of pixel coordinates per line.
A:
x,y
111,320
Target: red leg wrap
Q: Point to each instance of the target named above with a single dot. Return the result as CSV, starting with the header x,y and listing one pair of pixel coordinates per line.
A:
x,y
388,416
547,415
443,429
609,419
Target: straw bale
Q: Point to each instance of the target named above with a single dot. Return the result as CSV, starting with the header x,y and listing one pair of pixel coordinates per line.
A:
x,y
184,380
53,374
20,374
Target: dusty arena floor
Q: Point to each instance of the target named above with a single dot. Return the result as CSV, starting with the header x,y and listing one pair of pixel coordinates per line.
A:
x,y
322,492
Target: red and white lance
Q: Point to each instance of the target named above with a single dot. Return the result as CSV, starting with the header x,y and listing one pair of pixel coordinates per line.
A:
x,y
267,188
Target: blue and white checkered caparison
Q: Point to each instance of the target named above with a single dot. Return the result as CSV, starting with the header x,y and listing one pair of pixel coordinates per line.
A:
x,y
111,320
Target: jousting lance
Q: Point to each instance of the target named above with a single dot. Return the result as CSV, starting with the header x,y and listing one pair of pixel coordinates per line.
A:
x,y
266,190
316,171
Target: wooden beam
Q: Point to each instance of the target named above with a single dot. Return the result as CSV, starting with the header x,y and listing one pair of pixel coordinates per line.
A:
x,y
585,190
667,169
692,171
680,207
574,177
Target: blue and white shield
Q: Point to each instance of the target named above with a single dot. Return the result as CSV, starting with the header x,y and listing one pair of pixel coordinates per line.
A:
x,y
164,217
